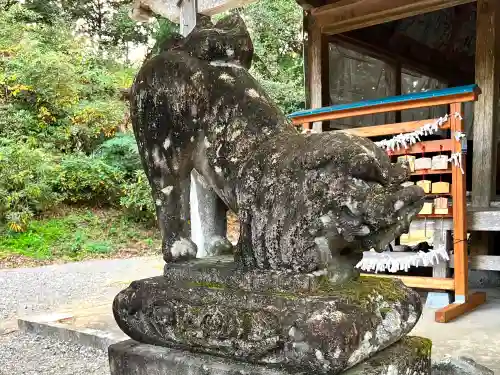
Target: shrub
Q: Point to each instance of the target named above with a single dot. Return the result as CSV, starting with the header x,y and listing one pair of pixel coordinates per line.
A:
x,y
89,180
122,153
26,184
94,122
137,199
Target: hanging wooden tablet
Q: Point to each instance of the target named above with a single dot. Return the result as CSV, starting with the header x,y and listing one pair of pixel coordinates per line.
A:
x,y
423,163
425,184
416,236
408,159
439,162
440,187
404,238
441,206
407,183
426,209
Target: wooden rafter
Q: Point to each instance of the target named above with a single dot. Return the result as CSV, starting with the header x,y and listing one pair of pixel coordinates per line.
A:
x,y
346,15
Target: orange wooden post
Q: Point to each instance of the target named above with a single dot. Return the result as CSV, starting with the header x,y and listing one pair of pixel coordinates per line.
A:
x,y
463,301
459,211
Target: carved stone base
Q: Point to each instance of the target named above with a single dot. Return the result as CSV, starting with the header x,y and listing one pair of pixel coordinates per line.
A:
x,y
411,355
299,322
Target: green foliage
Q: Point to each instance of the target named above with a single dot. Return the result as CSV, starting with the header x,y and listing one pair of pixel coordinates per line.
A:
x,y
276,30
89,180
122,153
92,123
26,184
162,31
137,199
125,32
78,234
65,96
63,128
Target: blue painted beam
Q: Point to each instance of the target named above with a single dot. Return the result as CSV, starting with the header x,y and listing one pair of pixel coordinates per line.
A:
x,y
389,100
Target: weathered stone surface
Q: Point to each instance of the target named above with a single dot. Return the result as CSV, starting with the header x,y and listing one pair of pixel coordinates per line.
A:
x,y
409,356
304,203
459,366
133,358
299,322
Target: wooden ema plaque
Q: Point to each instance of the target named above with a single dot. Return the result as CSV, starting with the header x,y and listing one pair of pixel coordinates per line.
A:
x,y
439,162
409,160
440,187
441,206
426,185
423,163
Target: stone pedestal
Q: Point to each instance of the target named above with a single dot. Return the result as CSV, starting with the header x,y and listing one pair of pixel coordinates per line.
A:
x,y
277,319
411,355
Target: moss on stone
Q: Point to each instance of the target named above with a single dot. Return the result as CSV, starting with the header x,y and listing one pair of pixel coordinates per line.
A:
x,y
195,310
207,284
361,289
246,321
286,295
421,345
384,311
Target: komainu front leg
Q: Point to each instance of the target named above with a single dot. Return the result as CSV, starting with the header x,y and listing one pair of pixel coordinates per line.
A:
x,y
208,219
171,197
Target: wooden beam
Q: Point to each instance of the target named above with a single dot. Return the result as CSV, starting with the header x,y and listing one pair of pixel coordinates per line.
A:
x,y
455,310
421,282
142,10
486,108
389,107
389,129
348,15
315,47
480,262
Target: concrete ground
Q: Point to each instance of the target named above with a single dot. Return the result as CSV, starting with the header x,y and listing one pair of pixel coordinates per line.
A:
x,y
86,316
475,335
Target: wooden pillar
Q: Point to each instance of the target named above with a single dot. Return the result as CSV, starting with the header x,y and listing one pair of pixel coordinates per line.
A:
x,y
485,110
459,215
314,68
305,52
485,114
325,76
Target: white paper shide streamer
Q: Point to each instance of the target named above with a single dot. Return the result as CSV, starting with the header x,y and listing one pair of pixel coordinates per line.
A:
x,y
396,261
408,139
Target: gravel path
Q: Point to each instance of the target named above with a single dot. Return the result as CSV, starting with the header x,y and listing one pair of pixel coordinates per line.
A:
x,y
25,354
35,290
32,291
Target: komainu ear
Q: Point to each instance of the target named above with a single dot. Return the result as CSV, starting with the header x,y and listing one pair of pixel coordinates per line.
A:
x,y
174,41
232,23
203,22
227,42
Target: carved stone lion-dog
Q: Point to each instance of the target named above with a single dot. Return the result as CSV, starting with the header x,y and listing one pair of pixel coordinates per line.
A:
x,y
304,203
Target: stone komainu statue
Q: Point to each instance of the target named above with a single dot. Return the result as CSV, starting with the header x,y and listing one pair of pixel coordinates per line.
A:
x,y
304,202
307,205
